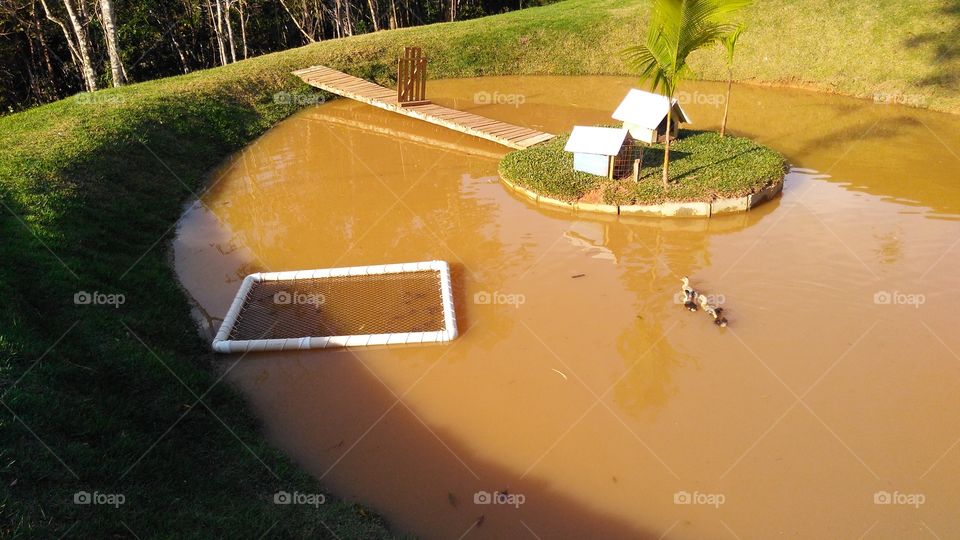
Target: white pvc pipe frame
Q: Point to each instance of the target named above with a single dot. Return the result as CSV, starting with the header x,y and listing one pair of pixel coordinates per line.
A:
x,y
223,344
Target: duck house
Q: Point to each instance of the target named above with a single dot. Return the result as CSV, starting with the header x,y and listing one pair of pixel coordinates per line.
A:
x,y
645,115
602,151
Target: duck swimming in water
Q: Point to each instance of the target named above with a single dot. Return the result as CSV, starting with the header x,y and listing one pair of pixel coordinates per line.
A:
x,y
689,295
713,311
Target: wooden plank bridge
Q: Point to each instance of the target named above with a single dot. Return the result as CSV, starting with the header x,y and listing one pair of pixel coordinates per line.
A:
x,y
348,86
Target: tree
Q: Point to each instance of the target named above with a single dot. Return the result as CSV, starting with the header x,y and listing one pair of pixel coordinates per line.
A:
x,y
77,41
50,49
372,4
678,28
110,36
730,44
297,23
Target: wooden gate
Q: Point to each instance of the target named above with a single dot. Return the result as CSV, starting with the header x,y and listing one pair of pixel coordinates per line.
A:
x,y
412,77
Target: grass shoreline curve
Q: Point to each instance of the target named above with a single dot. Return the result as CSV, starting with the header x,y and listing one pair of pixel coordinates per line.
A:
x,y
705,167
124,399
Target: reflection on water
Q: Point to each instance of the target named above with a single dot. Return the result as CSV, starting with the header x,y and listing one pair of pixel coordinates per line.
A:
x,y
591,392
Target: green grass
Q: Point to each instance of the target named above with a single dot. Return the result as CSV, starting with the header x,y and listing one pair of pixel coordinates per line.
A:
x,y
703,167
91,189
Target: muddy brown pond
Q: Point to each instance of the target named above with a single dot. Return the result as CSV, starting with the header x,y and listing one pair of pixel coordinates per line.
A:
x,y
578,389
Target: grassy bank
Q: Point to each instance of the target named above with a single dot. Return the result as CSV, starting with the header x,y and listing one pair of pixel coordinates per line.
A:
x,y
703,167
106,399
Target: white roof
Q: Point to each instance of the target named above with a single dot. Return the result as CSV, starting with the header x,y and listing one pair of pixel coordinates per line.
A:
x,y
646,109
596,140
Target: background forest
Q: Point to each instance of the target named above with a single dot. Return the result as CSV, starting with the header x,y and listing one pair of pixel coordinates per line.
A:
x,y
50,49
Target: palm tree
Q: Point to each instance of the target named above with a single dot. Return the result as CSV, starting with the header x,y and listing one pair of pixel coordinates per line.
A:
x,y
677,28
730,44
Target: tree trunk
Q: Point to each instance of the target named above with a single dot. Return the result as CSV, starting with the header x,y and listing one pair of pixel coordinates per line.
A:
x,y
393,15
110,35
666,148
183,58
336,19
221,31
35,24
241,6
373,14
83,44
726,104
215,22
297,23
79,47
227,6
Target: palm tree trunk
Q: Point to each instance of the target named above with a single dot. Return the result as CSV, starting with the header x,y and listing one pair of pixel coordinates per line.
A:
x,y
666,148
726,105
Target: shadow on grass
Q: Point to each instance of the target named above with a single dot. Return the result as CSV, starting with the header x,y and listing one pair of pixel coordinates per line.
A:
x,y
945,47
714,164
653,158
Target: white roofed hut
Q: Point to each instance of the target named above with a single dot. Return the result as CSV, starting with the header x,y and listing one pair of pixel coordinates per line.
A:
x,y
645,115
602,151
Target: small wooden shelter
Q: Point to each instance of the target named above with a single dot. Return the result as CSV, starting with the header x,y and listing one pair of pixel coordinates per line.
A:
x,y
602,151
645,115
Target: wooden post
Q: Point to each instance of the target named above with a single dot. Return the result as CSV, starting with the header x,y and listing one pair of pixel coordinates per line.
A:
x,y
637,165
412,77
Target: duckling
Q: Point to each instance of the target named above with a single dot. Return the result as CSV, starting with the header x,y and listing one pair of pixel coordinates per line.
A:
x,y
720,320
713,311
689,295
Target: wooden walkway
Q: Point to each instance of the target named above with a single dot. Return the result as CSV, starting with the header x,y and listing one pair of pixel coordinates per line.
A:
x,y
370,93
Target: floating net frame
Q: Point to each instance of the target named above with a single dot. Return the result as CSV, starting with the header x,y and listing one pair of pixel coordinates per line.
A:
x,y
247,313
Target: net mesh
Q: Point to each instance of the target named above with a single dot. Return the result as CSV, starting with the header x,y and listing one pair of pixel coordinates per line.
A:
x,y
342,306
623,163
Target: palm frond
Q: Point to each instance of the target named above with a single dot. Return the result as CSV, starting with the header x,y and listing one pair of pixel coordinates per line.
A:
x,y
730,42
677,29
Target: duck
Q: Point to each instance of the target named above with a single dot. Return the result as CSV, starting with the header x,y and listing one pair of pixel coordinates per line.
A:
x,y
689,295
713,311
720,320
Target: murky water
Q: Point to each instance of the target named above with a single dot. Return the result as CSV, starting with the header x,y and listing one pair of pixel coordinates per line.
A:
x,y
578,386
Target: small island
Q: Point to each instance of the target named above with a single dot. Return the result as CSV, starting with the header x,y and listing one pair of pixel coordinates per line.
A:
x,y
709,174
